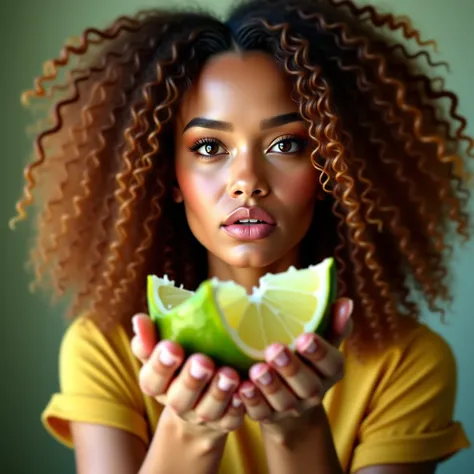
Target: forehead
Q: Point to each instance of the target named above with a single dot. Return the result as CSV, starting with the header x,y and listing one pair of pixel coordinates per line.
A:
x,y
236,85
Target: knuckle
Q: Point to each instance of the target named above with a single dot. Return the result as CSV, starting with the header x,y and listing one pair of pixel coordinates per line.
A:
x,y
260,414
199,419
207,416
210,417
178,409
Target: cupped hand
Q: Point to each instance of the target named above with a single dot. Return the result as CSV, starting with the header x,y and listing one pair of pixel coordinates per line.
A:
x,y
288,385
193,390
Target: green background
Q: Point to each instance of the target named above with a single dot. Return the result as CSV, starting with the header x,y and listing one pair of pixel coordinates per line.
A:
x,y
33,31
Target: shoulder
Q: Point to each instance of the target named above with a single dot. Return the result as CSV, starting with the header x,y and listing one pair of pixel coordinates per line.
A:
x,y
414,378
416,349
418,369
88,354
83,335
418,338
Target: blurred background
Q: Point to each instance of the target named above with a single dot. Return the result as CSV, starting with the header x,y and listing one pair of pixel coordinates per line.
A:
x,y
32,31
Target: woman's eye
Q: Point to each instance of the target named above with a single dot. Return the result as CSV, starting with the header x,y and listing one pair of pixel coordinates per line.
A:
x,y
287,145
209,148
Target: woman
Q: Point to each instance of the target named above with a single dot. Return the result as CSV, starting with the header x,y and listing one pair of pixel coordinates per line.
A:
x,y
302,114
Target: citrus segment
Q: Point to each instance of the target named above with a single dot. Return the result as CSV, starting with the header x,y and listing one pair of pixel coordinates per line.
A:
x,y
294,304
293,326
233,302
250,331
163,295
273,326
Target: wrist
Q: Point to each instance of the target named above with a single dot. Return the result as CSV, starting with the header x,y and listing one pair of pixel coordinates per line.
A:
x,y
177,445
302,444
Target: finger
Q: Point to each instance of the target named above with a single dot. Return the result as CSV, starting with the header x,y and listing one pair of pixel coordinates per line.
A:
x,y
138,350
301,379
256,406
324,357
234,416
217,397
277,394
145,338
159,369
186,389
342,323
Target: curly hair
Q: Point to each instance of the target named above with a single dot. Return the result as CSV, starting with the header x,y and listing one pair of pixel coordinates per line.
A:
x,y
388,150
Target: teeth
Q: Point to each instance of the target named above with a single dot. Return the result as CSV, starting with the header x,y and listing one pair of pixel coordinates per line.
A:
x,y
249,221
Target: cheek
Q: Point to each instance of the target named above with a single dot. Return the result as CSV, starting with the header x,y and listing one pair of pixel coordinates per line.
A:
x,y
299,189
198,188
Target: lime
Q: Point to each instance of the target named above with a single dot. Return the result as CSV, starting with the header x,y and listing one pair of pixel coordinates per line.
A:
x,y
233,327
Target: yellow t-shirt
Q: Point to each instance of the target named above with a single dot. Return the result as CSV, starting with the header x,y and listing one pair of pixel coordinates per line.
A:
x,y
393,408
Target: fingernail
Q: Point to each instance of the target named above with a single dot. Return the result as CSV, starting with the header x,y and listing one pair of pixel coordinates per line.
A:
x,y
281,358
225,383
265,378
249,392
236,402
309,346
166,357
197,371
135,324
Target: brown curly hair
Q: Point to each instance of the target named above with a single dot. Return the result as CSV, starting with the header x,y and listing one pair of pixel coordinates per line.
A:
x,y
388,152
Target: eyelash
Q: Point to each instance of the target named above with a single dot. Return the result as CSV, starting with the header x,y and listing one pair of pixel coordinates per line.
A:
x,y
301,142
202,142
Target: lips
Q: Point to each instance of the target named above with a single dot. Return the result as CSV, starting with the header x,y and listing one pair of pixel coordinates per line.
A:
x,y
250,215
249,223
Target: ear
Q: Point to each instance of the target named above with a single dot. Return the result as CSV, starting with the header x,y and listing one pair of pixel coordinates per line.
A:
x,y
177,196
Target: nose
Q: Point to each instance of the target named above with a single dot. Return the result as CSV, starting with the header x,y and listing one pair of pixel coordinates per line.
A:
x,y
247,177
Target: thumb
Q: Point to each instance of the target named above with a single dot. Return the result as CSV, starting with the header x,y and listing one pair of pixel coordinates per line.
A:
x,y
146,336
343,324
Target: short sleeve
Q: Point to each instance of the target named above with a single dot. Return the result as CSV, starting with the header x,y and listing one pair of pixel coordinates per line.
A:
x,y
98,384
410,418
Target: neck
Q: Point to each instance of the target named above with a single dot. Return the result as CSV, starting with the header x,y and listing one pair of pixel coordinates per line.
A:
x,y
248,276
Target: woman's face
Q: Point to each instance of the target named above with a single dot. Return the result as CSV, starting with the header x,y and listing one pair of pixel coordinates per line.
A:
x,y
243,163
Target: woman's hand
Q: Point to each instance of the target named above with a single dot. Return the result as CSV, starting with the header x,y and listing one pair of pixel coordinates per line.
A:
x,y
285,390
200,397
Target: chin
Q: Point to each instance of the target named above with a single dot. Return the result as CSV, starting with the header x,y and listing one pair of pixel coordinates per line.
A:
x,y
246,258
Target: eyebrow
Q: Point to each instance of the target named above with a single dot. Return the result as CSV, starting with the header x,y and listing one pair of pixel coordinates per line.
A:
x,y
273,122
208,123
280,120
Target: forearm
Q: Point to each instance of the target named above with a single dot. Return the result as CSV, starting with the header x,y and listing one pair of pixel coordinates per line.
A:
x,y
176,449
308,449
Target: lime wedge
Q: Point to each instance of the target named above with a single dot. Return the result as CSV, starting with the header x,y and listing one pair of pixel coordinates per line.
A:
x,y
232,327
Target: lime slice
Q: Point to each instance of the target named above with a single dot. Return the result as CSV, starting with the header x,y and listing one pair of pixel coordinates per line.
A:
x,y
221,320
